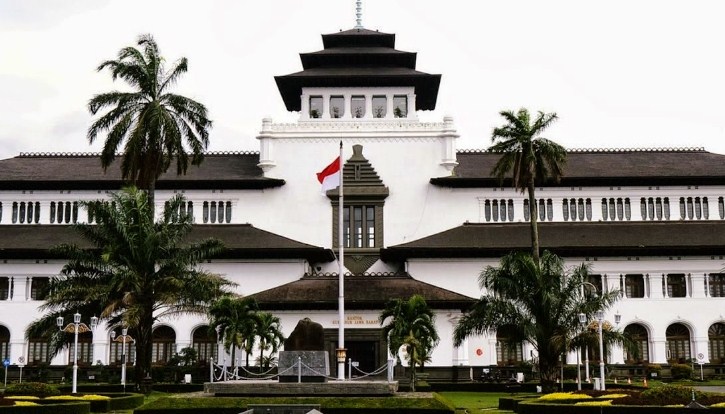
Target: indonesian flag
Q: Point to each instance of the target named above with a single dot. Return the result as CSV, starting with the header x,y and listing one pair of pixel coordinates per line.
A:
x,y
330,176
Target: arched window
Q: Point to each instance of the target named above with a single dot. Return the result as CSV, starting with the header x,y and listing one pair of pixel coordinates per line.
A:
x,y
639,336
163,344
204,344
678,343
716,343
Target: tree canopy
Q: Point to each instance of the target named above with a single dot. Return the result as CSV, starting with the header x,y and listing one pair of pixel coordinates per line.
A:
x,y
527,157
541,299
135,272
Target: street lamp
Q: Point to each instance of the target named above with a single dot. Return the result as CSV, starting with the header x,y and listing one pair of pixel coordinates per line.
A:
x,y
123,338
600,319
76,327
583,322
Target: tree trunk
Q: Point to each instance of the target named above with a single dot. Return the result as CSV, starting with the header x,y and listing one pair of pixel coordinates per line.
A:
x,y
533,215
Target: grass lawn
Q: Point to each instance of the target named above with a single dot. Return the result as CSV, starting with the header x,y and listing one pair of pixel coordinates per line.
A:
x,y
475,402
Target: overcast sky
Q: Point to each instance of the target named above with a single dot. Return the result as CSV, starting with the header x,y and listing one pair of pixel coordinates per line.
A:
x,y
619,73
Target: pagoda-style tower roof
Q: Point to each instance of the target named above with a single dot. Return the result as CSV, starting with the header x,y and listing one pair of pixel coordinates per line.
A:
x,y
359,58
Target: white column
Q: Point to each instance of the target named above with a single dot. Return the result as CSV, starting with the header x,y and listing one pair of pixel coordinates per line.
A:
x,y
305,106
659,353
701,347
326,106
368,106
697,285
20,288
655,288
665,293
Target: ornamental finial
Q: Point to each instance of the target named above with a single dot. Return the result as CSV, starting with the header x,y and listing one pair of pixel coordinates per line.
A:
x,y
358,14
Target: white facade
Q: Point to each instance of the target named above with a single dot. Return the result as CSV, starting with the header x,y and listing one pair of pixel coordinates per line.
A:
x,y
406,154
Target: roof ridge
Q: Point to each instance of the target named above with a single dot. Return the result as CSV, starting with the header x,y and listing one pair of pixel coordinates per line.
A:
x,y
602,150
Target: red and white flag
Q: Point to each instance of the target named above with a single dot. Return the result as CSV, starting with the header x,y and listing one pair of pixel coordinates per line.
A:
x,y
330,176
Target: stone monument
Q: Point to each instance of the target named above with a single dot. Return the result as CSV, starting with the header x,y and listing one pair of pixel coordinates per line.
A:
x,y
306,344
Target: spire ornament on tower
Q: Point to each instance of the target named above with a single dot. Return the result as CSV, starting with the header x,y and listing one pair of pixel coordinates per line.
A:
x,y
358,14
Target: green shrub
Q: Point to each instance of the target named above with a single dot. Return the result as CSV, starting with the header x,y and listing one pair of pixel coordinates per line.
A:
x,y
37,389
681,371
669,394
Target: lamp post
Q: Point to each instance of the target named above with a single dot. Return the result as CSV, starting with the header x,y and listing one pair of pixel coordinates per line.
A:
x,y
76,327
583,322
600,319
123,338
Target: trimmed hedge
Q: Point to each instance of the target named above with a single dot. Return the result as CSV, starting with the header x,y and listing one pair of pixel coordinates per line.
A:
x,y
116,402
328,405
80,407
534,407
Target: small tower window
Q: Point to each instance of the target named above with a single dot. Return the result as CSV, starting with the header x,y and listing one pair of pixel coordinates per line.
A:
x,y
380,106
357,106
400,106
337,106
315,107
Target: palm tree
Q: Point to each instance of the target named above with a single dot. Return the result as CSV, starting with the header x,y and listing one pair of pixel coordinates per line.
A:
x,y
530,158
153,126
235,319
269,332
411,324
135,272
541,299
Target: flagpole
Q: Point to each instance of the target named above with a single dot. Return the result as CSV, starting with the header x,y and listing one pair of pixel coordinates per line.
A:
x,y
341,351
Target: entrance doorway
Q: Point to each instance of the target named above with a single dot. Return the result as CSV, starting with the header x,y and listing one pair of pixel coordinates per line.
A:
x,y
364,346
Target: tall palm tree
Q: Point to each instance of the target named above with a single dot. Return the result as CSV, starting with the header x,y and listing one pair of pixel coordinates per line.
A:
x,y
541,299
269,333
530,158
235,319
410,324
135,271
152,125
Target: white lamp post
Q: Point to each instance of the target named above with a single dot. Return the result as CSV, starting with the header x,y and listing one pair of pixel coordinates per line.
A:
x,y
76,327
600,319
583,322
123,338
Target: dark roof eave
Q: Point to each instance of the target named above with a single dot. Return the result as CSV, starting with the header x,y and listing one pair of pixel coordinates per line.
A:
x,y
399,254
252,184
489,182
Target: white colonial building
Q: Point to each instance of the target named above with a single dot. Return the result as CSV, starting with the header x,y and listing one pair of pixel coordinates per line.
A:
x,y
419,217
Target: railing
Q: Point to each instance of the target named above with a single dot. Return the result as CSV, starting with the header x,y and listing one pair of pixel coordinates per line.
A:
x,y
221,372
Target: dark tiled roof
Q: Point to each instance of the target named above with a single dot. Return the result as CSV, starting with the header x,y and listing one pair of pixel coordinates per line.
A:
x,y
359,58
84,171
587,239
604,168
361,292
242,241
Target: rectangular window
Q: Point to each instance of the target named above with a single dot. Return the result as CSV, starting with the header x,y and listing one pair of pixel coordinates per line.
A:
x,y
337,106
380,106
4,288
357,106
717,285
39,288
116,356
400,106
161,352
38,351
315,107
634,286
595,286
85,351
370,225
360,231
676,287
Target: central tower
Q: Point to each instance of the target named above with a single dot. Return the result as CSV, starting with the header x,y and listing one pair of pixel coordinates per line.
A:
x,y
359,75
